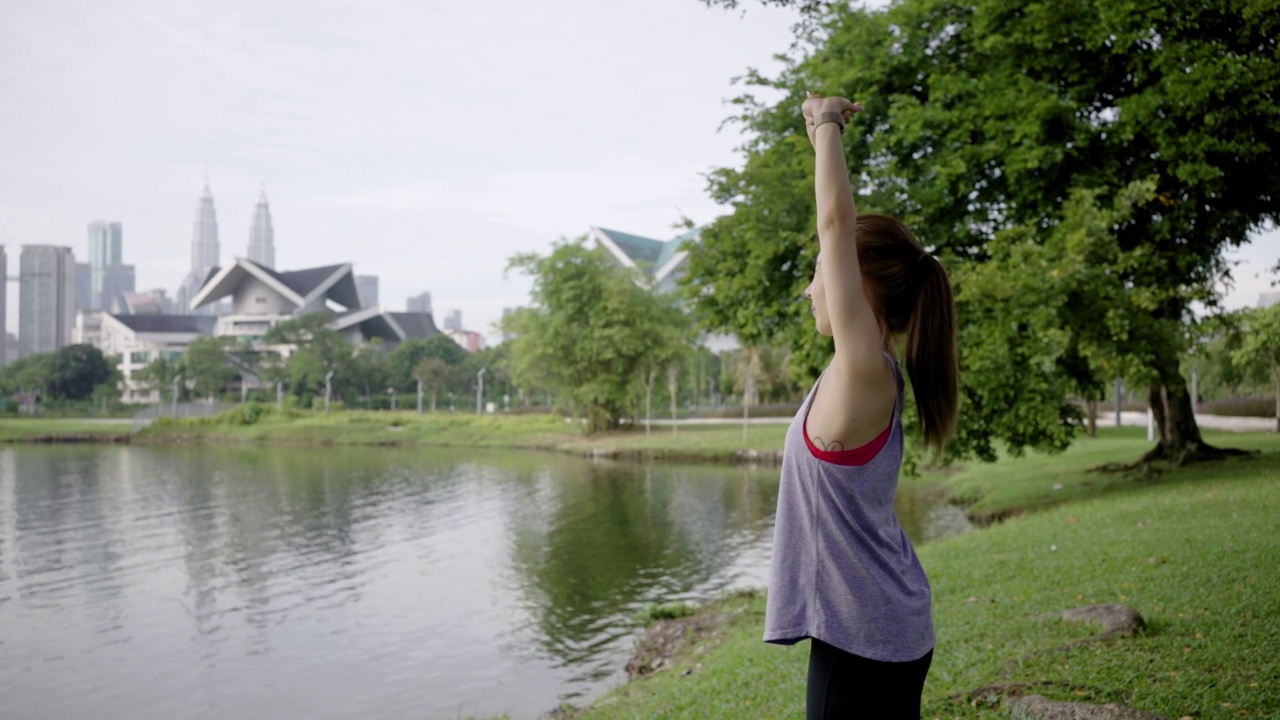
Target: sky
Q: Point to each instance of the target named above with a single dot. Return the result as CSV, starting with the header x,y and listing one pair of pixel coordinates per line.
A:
x,y
424,141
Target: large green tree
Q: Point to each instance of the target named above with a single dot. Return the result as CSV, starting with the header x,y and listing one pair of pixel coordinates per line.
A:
x,y
591,332
987,116
76,370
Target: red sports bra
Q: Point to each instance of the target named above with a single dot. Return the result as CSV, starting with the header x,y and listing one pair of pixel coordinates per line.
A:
x,y
857,456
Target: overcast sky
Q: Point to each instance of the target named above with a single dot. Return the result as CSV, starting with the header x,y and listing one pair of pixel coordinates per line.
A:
x,y
424,141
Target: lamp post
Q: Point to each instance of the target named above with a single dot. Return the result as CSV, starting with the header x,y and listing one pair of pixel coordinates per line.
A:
x,y
174,399
328,388
1119,400
419,397
479,389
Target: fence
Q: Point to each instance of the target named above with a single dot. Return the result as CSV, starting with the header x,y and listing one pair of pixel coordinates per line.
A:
x,y
188,409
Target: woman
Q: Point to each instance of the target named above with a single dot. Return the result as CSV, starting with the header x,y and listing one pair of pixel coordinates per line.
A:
x,y
844,573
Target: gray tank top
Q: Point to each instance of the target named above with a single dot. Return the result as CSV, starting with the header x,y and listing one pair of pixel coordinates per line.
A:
x,y
843,570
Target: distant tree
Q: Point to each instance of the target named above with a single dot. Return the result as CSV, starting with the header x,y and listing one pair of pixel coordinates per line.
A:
x,y
366,373
31,374
1260,346
207,367
434,374
585,337
496,360
402,361
318,350
665,335
75,371
158,375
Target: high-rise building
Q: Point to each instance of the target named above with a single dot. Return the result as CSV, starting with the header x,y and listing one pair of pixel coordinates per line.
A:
x,y
84,286
105,276
367,289
205,252
453,320
46,298
419,303
5,347
106,248
262,239
116,281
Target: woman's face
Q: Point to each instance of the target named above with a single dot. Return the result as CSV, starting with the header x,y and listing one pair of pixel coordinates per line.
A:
x,y
818,300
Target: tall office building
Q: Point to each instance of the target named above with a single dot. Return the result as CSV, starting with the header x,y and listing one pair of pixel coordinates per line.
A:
x,y
84,286
419,303
262,240
5,347
453,320
116,281
367,289
205,252
107,276
46,298
106,240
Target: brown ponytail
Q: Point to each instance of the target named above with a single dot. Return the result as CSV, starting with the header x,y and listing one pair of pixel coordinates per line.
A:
x,y
913,297
931,354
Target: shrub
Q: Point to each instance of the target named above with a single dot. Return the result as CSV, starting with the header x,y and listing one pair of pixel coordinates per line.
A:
x,y
653,612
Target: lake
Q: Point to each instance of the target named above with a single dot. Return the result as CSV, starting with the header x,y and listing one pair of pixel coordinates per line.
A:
x,y
220,581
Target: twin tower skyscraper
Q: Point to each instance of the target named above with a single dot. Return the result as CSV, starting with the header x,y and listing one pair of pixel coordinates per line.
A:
x,y
206,250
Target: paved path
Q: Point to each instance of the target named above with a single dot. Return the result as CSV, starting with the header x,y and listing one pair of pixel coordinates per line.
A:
x,y
1217,422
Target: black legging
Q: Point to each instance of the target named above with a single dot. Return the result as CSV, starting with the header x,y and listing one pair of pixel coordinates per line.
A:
x,y
844,685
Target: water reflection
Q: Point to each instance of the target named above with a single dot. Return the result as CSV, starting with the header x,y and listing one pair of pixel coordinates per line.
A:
x,y
592,546
251,582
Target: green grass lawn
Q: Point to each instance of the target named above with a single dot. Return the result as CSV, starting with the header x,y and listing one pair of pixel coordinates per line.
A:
x,y
1040,480
1195,551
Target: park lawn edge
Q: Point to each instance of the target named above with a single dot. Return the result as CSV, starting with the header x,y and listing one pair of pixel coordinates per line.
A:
x,y
1193,550
715,443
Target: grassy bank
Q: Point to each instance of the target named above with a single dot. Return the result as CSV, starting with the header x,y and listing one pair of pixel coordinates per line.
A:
x,y
1194,551
63,430
408,429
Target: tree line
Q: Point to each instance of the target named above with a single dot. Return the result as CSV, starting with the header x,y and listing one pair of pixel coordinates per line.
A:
x,y
73,374
297,355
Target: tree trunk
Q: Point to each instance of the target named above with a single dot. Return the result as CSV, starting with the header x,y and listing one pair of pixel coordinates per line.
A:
x,y
1178,438
1093,417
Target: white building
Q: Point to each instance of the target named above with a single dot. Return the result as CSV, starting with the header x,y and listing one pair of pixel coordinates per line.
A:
x,y
135,341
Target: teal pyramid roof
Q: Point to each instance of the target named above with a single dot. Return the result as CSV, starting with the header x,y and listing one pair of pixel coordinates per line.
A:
x,y
671,247
641,250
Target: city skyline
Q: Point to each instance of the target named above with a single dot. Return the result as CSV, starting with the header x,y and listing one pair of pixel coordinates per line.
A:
x,y
423,144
